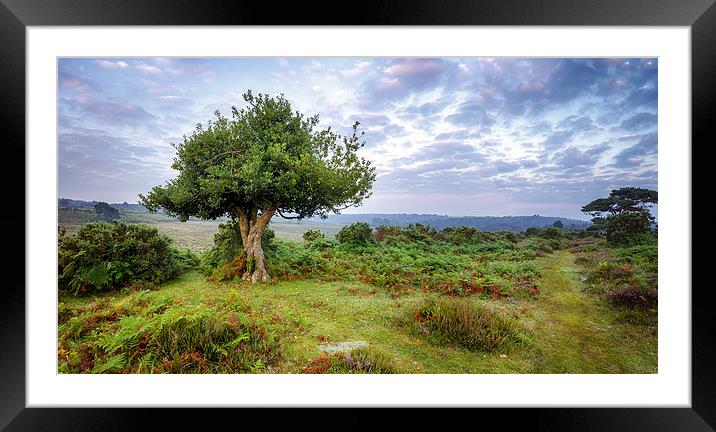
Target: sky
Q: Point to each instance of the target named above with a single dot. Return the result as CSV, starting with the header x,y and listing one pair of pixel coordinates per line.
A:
x,y
455,136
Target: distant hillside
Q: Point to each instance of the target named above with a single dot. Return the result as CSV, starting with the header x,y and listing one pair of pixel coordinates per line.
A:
x,y
483,223
70,203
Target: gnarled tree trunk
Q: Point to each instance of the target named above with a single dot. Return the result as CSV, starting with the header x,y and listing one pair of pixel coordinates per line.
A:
x,y
252,226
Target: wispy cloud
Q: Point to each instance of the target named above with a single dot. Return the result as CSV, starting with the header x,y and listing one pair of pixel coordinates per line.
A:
x,y
494,134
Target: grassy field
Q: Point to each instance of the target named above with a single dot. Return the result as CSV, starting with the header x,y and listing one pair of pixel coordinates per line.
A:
x,y
416,299
567,330
194,234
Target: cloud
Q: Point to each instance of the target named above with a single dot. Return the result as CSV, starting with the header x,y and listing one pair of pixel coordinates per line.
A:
x,y
109,111
147,68
472,114
558,138
578,124
358,69
636,155
107,64
401,78
75,83
534,132
639,122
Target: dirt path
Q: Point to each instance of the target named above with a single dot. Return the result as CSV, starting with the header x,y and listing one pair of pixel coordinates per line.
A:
x,y
577,333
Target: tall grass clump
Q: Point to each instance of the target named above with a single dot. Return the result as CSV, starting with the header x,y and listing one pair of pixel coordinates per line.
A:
x,y
103,256
446,320
361,361
208,345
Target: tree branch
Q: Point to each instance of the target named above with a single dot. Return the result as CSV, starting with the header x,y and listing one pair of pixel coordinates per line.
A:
x,y
288,217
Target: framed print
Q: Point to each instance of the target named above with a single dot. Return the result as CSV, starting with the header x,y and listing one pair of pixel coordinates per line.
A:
x,y
409,206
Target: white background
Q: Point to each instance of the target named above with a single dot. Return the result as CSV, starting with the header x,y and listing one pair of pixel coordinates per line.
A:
x,y
670,387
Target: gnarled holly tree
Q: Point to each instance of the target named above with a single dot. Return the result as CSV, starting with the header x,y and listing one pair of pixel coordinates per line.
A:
x,y
265,160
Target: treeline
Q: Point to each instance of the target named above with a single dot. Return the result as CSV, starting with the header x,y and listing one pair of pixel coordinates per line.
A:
x,y
71,203
483,223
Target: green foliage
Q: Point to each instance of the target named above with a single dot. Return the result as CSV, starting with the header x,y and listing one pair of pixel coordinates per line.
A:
x,y
461,323
627,228
624,216
265,156
139,336
313,235
558,224
207,345
546,233
104,256
414,258
627,199
106,212
357,234
627,277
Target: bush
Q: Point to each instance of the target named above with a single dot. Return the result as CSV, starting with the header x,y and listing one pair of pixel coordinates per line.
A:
x,y
358,233
208,345
107,256
552,233
313,235
457,234
456,321
634,297
390,235
628,228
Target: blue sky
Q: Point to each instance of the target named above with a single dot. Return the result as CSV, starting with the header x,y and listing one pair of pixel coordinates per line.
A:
x,y
457,136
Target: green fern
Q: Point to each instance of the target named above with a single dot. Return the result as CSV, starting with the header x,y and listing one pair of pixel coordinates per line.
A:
x,y
116,362
129,334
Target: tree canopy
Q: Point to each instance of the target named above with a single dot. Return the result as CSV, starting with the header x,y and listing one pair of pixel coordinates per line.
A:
x,y
266,159
627,199
624,215
106,212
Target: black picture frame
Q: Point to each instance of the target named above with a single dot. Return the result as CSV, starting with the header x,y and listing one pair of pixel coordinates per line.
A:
x,y
16,15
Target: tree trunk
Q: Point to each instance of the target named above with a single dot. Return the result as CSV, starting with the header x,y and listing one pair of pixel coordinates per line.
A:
x,y
252,227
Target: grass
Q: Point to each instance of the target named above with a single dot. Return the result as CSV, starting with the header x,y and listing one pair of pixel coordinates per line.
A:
x,y
571,331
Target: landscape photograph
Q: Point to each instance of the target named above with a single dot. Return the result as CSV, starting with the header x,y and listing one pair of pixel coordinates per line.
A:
x,y
357,215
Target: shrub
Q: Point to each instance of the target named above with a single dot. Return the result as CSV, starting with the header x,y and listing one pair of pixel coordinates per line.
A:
x,y
207,345
313,235
106,256
420,232
628,228
390,235
457,234
358,233
551,233
611,271
634,297
456,321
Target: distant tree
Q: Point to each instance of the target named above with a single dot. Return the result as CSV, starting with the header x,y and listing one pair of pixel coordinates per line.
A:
x,y
312,235
624,215
359,233
622,200
106,212
264,160
558,224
